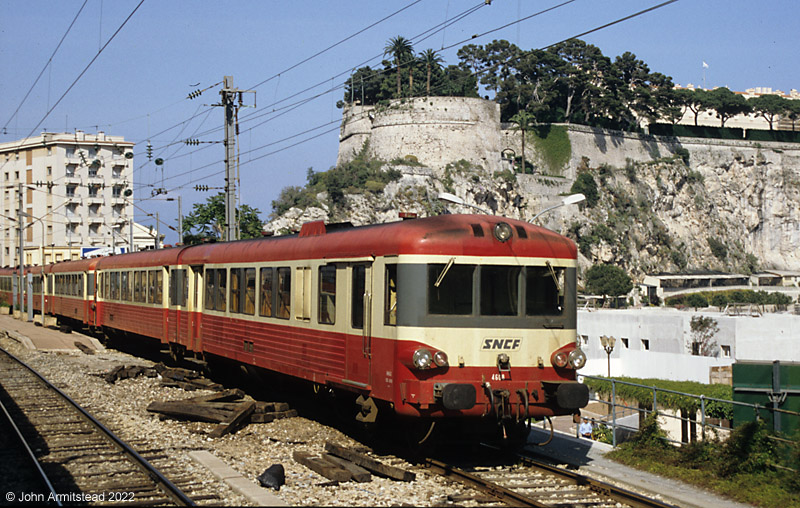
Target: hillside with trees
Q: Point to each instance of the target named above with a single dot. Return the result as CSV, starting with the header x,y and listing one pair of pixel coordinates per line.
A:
x,y
569,82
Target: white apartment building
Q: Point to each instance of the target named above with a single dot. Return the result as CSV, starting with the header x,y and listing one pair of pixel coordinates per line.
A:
x,y
77,192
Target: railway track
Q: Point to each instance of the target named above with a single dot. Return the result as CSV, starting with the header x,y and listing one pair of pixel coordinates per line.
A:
x,y
529,482
62,455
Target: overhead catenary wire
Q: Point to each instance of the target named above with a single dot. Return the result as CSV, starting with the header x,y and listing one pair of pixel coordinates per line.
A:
x,y
477,72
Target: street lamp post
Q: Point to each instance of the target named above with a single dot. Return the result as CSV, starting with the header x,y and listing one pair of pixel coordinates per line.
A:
x,y
568,200
608,346
452,198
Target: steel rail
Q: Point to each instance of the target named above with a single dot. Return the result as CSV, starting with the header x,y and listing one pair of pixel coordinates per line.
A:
x,y
503,494
42,475
616,493
177,496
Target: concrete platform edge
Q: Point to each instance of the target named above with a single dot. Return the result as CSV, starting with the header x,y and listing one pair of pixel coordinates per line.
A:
x,y
254,493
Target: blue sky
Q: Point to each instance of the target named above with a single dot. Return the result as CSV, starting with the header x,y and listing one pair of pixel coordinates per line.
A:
x,y
137,86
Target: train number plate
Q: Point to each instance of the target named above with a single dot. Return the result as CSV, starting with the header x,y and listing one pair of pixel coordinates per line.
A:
x,y
501,344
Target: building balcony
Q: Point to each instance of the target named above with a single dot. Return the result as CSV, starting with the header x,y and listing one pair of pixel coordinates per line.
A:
x,y
95,219
73,199
94,200
73,219
118,200
72,180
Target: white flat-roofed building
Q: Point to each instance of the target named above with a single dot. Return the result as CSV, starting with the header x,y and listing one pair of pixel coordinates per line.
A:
x,y
76,192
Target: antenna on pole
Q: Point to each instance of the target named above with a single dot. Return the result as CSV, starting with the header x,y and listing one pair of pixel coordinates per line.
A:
x,y
231,100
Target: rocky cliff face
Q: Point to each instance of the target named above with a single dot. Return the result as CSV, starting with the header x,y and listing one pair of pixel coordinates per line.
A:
x,y
719,205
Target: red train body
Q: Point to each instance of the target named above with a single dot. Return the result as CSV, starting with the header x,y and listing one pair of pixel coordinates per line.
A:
x,y
453,316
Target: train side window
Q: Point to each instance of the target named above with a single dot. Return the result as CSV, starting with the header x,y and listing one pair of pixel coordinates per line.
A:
x,y
124,285
327,294
250,291
106,285
79,284
302,293
211,275
114,285
265,306
222,293
500,290
236,300
159,285
453,296
91,284
184,299
544,291
390,303
359,284
137,286
284,293
151,286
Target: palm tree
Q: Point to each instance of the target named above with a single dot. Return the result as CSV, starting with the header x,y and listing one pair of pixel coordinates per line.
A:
x,y
399,47
432,60
525,122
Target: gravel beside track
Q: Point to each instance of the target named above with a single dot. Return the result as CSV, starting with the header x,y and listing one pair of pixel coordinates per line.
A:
x,y
250,451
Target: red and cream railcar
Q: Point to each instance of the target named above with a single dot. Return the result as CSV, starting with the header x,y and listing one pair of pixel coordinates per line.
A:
x,y
70,291
6,285
453,316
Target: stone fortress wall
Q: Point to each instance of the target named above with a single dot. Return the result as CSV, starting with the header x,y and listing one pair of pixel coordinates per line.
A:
x,y
434,130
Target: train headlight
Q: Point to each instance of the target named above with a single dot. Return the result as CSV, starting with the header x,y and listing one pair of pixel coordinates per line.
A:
x,y
422,359
560,359
577,359
502,231
440,359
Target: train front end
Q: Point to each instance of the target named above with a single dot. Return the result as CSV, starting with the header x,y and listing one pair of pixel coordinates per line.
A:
x,y
486,324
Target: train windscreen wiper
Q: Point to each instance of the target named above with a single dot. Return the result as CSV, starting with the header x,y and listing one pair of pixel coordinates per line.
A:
x,y
444,272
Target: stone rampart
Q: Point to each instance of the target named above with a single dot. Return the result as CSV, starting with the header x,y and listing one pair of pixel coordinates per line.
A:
x,y
434,130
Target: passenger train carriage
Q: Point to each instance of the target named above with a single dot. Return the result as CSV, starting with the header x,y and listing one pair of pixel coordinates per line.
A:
x,y
441,318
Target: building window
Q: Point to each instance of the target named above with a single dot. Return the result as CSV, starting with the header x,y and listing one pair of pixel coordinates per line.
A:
x,y
625,342
93,191
585,339
726,351
116,191
71,191
645,344
49,170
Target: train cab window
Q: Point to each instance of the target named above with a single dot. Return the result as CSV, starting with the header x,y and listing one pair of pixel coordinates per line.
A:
x,y
450,289
265,304
359,285
284,293
499,294
236,285
91,284
544,290
250,291
159,276
327,294
390,302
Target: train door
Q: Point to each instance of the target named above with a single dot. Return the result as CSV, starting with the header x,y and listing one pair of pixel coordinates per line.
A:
x,y
90,297
195,307
358,349
177,306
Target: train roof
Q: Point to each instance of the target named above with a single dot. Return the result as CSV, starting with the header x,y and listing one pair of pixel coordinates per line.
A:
x,y
441,234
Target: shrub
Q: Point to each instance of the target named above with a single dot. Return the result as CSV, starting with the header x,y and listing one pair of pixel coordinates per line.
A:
x,y
696,300
718,248
586,185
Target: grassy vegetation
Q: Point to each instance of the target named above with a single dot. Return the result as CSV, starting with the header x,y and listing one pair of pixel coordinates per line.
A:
x,y
553,145
749,466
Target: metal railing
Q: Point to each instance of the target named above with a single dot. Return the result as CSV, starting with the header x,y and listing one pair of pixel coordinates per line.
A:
x,y
702,403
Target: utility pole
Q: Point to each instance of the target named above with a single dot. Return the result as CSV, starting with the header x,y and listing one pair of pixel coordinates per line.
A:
x,y
21,249
232,101
158,230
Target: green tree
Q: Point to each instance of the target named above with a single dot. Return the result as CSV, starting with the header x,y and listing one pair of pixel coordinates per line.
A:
x,y
523,122
695,101
207,221
432,62
696,300
608,280
768,106
703,330
402,50
727,104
